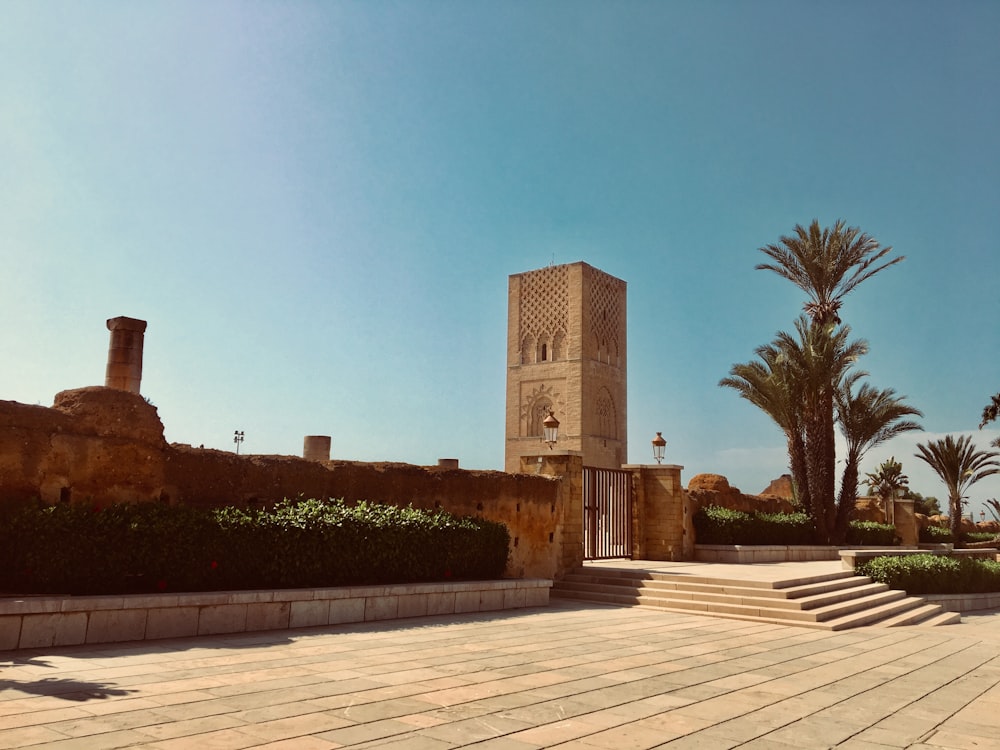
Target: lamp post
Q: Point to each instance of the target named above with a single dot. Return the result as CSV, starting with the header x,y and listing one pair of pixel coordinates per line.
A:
x,y
238,438
659,446
550,429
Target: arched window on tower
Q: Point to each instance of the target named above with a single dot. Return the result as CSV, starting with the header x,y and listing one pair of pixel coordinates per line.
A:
x,y
539,411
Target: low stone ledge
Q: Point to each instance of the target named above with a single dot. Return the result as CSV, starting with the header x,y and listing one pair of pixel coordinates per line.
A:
x,y
44,621
964,602
851,558
763,553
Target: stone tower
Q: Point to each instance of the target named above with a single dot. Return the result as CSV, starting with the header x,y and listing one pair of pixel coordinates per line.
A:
x,y
566,352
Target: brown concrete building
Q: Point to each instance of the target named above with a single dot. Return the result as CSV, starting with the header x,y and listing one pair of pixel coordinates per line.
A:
x,y
566,351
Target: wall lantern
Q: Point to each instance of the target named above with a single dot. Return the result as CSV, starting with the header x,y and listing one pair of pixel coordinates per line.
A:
x,y
659,446
550,429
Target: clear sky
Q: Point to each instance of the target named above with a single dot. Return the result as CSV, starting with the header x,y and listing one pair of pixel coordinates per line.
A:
x,y
316,206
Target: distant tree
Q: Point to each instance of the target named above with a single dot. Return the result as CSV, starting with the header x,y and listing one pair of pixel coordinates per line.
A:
x,y
928,506
888,482
990,412
867,418
826,264
959,465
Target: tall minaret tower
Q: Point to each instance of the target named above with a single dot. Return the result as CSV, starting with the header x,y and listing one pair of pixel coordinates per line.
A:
x,y
566,352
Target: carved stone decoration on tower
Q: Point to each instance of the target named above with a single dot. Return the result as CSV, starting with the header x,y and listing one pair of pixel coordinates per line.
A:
x,y
566,351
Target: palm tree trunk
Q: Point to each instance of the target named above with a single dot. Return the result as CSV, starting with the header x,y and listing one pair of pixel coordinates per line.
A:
x,y
847,500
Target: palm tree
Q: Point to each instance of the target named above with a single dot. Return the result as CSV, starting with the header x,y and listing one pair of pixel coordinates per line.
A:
x,y
887,482
769,385
867,418
819,360
990,412
794,383
827,264
960,466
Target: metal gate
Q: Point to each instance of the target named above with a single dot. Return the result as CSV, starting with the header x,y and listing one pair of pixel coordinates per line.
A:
x,y
607,513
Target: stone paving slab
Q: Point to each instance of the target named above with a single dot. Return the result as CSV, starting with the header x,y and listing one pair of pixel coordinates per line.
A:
x,y
571,676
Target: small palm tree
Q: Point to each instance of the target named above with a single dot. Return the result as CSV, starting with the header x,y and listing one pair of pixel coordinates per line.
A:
x,y
868,417
959,465
827,264
887,482
768,384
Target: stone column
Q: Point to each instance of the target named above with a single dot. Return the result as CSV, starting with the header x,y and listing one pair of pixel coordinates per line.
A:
x,y
316,448
567,466
905,520
659,513
124,371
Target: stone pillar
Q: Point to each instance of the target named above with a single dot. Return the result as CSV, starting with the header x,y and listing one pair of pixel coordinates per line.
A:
x,y
659,513
905,520
567,467
316,448
124,371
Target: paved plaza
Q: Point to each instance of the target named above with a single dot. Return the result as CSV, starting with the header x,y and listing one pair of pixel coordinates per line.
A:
x,y
571,675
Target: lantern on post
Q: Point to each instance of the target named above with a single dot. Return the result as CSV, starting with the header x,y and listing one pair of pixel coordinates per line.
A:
x,y
659,447
550,429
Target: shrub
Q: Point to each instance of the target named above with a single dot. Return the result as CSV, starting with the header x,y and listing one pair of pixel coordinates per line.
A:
x,y
978,536
933,574
148,547
934,535
871,534
717,525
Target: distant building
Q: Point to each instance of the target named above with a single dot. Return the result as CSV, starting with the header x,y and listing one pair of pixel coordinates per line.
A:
x,y
566,351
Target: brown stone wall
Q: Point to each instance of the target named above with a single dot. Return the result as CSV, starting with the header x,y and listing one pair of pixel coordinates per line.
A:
x,y
658,513
102,445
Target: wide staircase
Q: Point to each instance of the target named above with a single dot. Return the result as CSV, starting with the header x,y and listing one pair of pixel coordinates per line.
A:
x,y
830,601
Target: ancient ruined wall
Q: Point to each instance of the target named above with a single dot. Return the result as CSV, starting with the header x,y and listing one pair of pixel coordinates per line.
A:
x,y
102,445
95,445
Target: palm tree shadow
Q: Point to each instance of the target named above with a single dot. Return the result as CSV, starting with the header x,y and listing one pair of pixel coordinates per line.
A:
x,y
57,687
65,689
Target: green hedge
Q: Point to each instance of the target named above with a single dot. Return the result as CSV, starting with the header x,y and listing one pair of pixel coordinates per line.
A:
x,y
934,574
934,535
73,549
717,525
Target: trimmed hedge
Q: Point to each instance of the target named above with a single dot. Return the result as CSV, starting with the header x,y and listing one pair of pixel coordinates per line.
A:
x,y
934,535
717,525
934,574
73,549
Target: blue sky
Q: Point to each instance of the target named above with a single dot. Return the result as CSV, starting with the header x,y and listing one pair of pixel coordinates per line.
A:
x,y
316,206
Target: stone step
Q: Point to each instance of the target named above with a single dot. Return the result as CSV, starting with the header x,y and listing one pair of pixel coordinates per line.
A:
x,y
722,595
833,601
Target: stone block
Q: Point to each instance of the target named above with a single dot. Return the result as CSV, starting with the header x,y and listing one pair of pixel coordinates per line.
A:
x,y
172,622
10,632
39,631
308,614
514,598
466,601
441,603
268,615
346,610
381,607
222,618
412,606
115,625
537,597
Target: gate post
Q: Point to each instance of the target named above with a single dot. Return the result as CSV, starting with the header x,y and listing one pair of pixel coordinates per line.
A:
x,y
658,514
568,510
